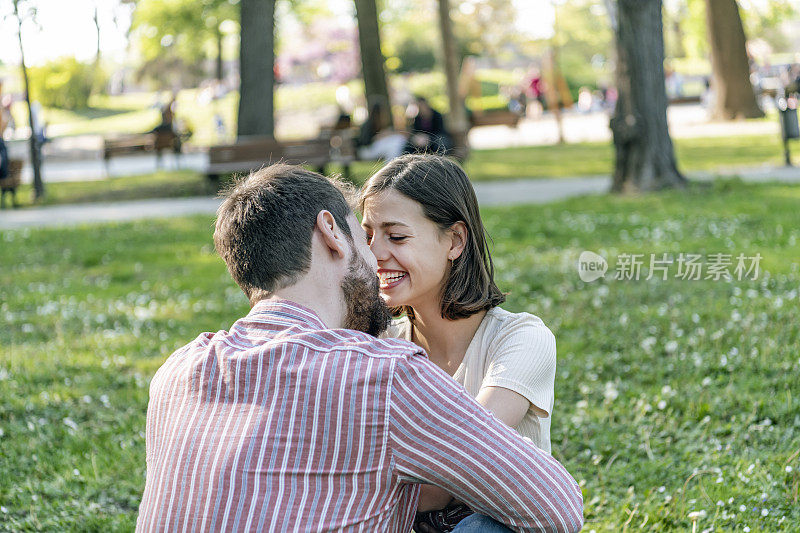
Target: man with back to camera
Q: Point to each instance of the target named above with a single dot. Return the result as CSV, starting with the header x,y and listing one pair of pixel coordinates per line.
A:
x,y
298,418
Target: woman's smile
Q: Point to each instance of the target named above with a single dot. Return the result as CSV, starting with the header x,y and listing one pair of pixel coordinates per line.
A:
x,y
391,278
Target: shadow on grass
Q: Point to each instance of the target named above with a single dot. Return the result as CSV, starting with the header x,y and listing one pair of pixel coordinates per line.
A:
x,y
91,113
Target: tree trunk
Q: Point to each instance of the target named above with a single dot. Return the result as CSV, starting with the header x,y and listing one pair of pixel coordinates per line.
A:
x,y
256,67
733,93
220,74
36,162
97,27
645,159
372,61
458,114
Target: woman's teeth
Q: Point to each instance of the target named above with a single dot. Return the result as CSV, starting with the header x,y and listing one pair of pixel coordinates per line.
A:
x,y
386,279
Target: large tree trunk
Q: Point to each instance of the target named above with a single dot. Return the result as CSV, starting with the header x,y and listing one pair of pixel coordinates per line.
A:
x,y
733,93
35,152
372,60
256,67
458,113
645,159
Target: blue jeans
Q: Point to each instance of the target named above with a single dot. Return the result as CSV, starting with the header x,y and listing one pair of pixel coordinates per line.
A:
x,y
478,523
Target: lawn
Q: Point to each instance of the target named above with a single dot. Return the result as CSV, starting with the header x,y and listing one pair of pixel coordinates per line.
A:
x,y
671,396
483,165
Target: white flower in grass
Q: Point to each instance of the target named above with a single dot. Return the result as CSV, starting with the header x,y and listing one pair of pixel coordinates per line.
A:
x,y
788,467
648,343
611,393
70,423
746,529
662,405
764,512
742,508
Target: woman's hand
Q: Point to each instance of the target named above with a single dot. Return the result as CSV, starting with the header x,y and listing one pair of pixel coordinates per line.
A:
x,y
433,498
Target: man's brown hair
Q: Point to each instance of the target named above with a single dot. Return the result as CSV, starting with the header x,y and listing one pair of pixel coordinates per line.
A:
x,y
265,225
446,195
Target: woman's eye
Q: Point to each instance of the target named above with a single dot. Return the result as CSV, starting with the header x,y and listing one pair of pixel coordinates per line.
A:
x,y
397,238
369,238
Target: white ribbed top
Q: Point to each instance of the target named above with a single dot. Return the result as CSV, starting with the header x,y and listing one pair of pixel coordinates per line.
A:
x,y
515,351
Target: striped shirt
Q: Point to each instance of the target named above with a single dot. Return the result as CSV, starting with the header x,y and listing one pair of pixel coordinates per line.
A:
x,y
281,424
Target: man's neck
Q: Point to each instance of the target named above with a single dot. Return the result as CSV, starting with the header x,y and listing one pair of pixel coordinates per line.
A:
x,y
328,307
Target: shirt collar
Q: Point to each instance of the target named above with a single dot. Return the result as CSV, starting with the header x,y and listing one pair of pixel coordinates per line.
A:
x,y
287,309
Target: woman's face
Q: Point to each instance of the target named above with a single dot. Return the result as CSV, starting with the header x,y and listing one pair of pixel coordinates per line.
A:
x,y
412,251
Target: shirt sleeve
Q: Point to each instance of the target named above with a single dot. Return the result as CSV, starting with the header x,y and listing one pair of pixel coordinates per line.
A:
x,y
522,358
439,435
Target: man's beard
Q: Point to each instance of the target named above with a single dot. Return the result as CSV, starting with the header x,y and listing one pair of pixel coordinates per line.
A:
x,y
366,310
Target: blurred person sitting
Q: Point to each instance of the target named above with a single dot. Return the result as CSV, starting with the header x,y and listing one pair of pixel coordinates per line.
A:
x,y
167,117
428,134
377,138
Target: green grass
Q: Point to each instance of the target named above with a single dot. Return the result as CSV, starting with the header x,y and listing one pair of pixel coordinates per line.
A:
x,y
671,396
483,165
162,184
598,158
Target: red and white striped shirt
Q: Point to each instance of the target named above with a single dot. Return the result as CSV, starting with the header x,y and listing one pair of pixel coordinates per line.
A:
x,y
283,425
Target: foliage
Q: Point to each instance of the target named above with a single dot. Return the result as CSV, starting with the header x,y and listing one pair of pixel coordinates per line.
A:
x,y
685,25
175,37
64,83
486,28
585,44
415,56
671,396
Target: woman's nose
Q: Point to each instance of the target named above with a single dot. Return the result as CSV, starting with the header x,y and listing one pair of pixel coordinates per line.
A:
x,y
379,250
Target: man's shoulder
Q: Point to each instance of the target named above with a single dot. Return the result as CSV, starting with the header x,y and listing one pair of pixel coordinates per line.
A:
x,y
357,341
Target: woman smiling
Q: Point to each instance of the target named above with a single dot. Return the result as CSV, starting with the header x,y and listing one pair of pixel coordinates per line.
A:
x,y
423,225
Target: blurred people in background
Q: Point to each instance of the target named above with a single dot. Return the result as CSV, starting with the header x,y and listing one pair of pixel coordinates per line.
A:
x,y
428,134
7,122
585,100
377,138
5,119
167,116
535,93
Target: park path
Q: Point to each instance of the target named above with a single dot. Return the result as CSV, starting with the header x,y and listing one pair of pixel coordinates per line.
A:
x,y
531,191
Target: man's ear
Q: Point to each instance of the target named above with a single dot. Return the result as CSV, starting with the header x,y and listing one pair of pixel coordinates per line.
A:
x,y
458,240
331,234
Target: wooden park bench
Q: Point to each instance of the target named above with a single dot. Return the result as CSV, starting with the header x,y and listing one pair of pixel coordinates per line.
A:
x,y
495,118
11,182
142,142
253,153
